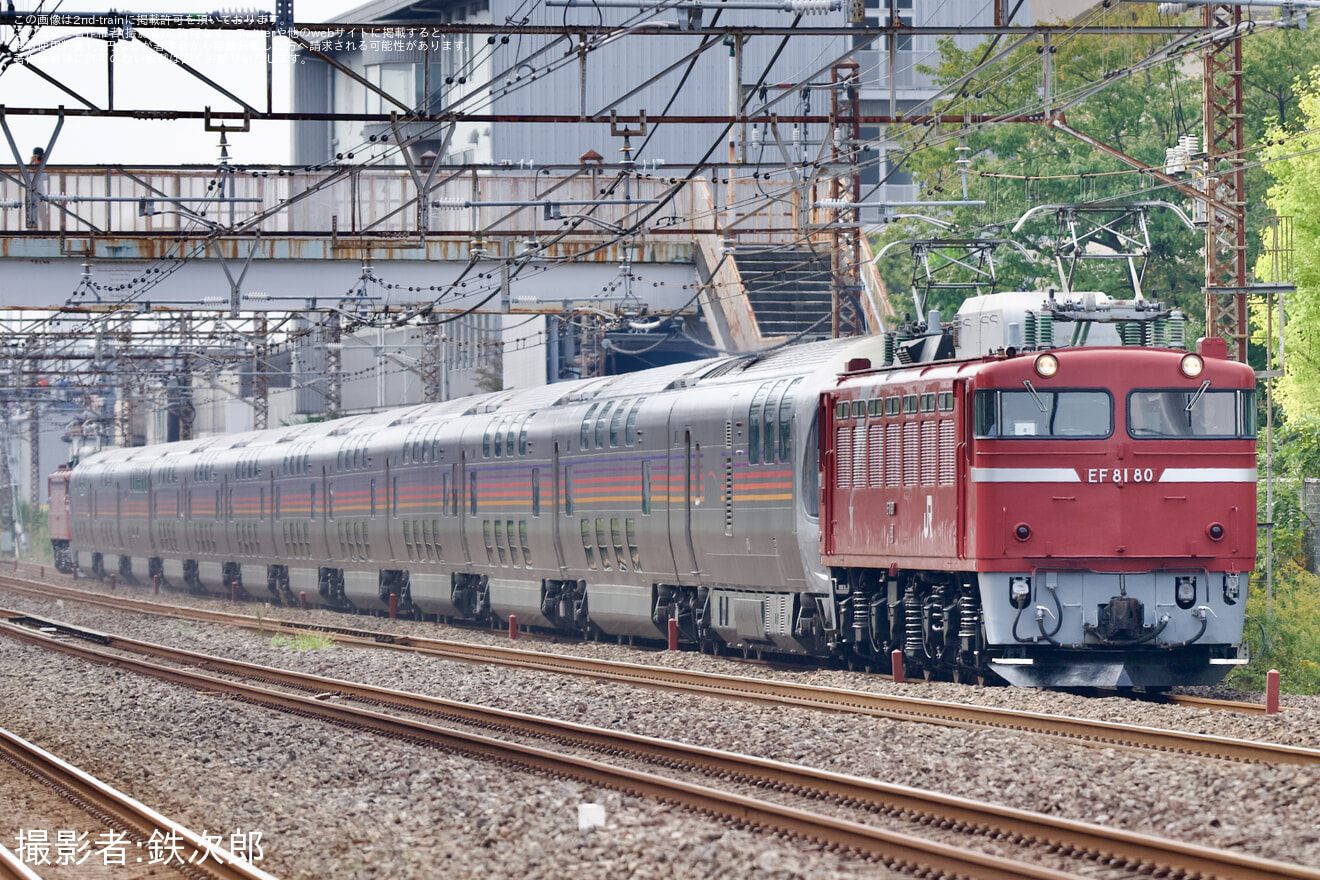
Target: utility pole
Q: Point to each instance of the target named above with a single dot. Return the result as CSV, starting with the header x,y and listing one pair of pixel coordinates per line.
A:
x,y
260,374
1226,229
333,364
845,134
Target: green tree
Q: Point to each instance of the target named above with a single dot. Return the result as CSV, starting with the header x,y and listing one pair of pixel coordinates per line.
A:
x,y
1273,64
1276,66
1017,165
1296,193
490,372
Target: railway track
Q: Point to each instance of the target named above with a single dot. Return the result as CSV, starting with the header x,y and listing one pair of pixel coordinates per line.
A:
x,y
897,707
12,867
44,590
119,812
1051,839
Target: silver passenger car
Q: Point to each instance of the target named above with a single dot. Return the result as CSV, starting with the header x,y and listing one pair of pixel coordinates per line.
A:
x,y
685,492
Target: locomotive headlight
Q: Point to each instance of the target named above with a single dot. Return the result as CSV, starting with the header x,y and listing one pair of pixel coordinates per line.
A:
x,y
1019,592
1191,365
1046,366
1185,591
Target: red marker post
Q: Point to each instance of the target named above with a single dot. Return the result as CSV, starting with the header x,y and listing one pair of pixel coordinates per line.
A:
x,y
1272,692
113,578
896,661
673,634
513,626
394,605
156,580
302,598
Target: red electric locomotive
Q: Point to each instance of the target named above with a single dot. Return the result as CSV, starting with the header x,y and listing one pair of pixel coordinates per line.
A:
x,y
58,518
1076,517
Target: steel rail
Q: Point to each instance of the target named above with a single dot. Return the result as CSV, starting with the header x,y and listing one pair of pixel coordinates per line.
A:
x,y
370,638
894,848
774,692
119,811
13,868
1140,852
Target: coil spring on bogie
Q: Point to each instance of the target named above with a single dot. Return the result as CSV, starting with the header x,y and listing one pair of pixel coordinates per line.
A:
x,y
938,618
969,617
861,630
912,620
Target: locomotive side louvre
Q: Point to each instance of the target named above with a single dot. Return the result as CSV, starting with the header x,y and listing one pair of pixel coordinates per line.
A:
x,y
895,465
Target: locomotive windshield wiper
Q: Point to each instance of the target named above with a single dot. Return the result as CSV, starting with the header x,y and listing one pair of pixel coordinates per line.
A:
x,y
1196,398
1036,397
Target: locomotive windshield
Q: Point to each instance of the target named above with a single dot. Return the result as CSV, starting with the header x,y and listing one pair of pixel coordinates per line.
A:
x,y
1182,412
1032,412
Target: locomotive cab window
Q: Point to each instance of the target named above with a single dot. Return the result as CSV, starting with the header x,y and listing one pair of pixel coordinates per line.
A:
x,y
769,416
1201,413
754,422
602,419
513,433
811,470
586,426
1074,414
786,422
630,427
616,421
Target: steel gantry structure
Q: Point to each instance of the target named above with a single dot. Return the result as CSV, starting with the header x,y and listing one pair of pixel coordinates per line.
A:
x,y
1226,276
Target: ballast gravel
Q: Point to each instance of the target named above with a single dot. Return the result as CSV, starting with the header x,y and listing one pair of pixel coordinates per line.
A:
x,y
333,802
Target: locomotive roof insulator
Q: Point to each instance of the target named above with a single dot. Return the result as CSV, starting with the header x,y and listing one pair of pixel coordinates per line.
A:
x,y
1110,312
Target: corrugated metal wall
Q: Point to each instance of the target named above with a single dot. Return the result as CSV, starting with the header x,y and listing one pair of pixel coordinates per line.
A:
x,y
311,94
623,64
